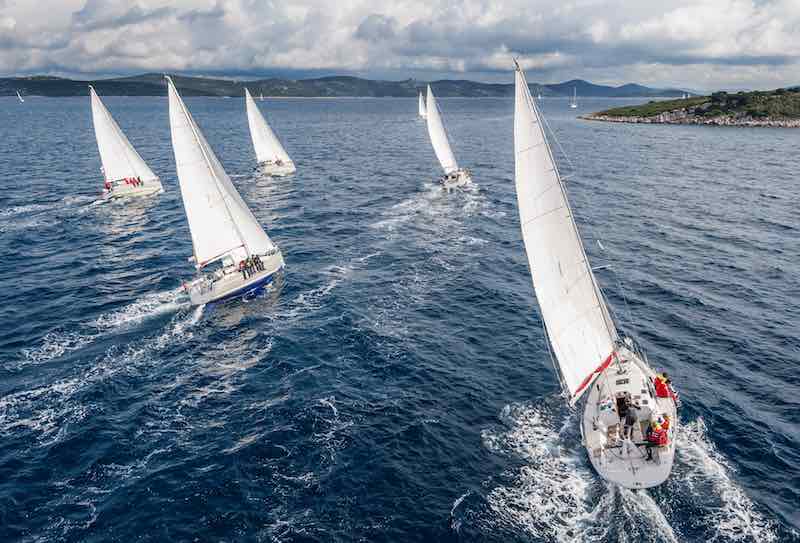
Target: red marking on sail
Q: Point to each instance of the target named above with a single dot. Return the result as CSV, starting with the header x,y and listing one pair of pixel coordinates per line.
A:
x,y
588,379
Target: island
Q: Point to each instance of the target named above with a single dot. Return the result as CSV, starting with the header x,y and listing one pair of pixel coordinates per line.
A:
x,y
777,108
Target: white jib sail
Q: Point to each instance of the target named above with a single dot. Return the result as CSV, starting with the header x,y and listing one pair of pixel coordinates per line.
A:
x,y
438,135
422,110
265,142
219,220
577,320
119,158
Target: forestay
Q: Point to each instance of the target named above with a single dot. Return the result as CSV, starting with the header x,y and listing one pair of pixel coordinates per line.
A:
x,y
265,142
219,220
578,325
120,160
422,110
438,135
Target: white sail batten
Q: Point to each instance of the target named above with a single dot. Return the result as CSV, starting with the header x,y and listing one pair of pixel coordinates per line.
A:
x,y
578,324
265,142
119,158
438,135
219,220
422,109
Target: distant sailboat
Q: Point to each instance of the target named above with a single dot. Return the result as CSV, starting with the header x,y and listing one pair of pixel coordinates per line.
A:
x,y
21,99
453,175
422,110
592,357
271,155
539,96
125,172
261,97
232,252
574,102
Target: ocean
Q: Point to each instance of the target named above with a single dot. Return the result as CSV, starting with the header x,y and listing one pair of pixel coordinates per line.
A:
x,y
394,384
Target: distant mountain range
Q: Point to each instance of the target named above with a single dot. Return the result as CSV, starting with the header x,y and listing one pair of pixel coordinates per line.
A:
x,y
153,85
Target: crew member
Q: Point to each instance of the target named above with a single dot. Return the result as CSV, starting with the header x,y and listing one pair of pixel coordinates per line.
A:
x,y
656,438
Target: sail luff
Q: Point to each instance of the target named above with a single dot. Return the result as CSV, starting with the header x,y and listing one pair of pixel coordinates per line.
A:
x,y
118,156
219,220
438,135
265,143
572,307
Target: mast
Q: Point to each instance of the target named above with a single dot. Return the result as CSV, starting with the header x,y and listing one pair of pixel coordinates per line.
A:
x,y
575,316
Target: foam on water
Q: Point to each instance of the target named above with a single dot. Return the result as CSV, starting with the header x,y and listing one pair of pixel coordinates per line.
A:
x,y
57,343
731,514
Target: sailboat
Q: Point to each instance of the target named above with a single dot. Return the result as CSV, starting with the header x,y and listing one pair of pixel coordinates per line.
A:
x,y
272,157
422,110
21,99
574,102
126,173
594,362
233,254
453,175
261,97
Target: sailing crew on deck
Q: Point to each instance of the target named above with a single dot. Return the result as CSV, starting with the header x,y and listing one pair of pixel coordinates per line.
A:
x,y
243,268
631,417
656,438
663,385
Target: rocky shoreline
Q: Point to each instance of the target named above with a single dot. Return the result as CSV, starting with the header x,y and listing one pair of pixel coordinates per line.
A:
x,y
685,117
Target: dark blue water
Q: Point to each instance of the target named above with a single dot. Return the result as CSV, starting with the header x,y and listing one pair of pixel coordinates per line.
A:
x,y
395,386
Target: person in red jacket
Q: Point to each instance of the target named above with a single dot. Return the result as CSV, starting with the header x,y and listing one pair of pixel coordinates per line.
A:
x,y
656,438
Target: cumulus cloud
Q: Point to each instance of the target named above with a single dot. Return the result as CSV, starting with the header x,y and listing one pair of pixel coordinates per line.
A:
x,y
691,43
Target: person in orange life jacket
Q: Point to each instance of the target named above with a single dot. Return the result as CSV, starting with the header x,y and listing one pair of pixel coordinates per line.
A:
x,y
663,385
656,438
665,422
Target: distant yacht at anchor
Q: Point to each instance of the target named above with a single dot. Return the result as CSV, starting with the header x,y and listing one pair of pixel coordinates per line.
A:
x,y
233,254
126,173
629,419
272,157
422,110
453,175
574,102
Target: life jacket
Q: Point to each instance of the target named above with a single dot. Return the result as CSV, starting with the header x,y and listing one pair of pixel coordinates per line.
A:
x,y
662,389
665,424
658,436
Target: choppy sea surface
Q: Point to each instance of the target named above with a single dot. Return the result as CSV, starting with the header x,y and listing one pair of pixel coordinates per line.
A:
x,y
395,384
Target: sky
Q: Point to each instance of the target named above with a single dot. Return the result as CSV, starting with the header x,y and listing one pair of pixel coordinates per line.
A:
x,y
690,44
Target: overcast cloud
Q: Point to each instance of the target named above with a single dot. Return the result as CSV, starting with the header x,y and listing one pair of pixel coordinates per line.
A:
x,y
701,44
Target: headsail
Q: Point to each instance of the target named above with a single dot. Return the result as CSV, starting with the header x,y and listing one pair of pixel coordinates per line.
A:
x,y
578,324
265,141
422,111
120,160
438,135
219,220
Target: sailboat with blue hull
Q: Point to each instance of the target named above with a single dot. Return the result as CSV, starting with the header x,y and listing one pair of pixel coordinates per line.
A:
x,y
233,254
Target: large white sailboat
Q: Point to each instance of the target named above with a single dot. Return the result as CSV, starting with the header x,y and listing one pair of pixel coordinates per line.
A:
x,y
126,173
593,360
453,175
272,157
422,110
232,253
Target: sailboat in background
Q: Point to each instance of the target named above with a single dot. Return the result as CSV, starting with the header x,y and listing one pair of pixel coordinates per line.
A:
x,y
261,97
574,102
422,110
593,360
453,175
232,253
126,173
21,99
271,156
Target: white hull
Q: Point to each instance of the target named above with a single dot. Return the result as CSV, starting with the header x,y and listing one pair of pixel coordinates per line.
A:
x,y
230,282
277,170
624,461
458,178
573,106
148,188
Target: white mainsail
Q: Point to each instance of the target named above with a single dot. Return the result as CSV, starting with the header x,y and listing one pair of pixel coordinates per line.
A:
x,y
578,324
438,135
422,111
120,160
265,142
220,222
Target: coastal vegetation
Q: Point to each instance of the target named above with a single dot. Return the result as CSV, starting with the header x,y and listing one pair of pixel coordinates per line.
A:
x,y
780,107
